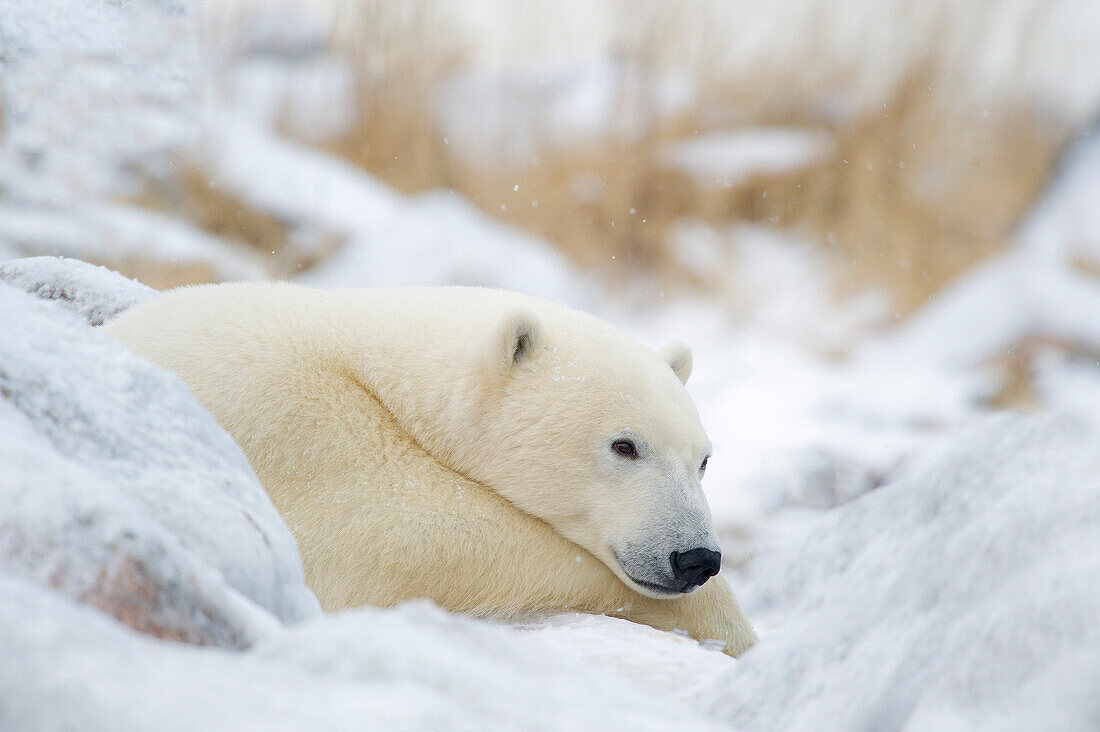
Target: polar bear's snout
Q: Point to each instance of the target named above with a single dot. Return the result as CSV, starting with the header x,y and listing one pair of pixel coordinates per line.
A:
x,y
665,574
693,568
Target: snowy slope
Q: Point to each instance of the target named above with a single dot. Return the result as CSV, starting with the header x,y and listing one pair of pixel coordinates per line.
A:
x,y
100,99
961,596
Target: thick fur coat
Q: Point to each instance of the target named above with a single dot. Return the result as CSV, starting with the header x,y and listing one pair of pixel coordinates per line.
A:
x,y
457,444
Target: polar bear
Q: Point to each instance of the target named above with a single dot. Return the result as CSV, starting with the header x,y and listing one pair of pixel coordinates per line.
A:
x,y
496,453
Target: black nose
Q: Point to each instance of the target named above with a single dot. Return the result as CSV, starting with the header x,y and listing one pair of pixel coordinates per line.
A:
x,y
695,567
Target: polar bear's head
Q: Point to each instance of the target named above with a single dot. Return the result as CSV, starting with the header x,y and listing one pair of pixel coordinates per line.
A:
x,y
580,425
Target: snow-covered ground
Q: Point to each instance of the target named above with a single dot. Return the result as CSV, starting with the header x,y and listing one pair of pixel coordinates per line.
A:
x,y
961,593
67,666
914,560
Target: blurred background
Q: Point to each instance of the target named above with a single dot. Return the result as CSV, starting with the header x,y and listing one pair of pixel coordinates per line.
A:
x,y
874,222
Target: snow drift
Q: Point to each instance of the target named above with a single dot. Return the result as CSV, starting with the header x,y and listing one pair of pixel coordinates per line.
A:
x,y
961,596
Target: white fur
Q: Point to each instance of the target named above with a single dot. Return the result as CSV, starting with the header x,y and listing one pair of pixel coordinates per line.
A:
x,y
399,430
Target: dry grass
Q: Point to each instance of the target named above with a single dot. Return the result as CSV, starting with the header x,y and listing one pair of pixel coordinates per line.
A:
x,y
917,193
191,195
1016,368
401,55
402,60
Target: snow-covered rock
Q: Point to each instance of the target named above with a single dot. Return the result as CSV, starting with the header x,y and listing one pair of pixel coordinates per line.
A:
x,y
961,596
412,668
118,488
96,294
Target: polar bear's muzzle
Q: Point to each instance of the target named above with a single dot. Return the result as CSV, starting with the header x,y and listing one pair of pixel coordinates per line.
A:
x,y
685,571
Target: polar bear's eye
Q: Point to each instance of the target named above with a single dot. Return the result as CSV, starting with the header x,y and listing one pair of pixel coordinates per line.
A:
x,y
625,448
703,467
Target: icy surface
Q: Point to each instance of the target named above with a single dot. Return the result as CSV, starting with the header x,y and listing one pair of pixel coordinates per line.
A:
x,y
119,489
961,596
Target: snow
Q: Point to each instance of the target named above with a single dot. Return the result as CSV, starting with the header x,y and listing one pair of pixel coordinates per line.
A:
x,y
732,157
435,238
119,489
617,648
95,92
311,98
501,678
1065,224
777,284
444,240
120,233
913,564
1038,290
100,99
828,63
510,115
96,294
1067,383
999,305
412,668
960,596
275,66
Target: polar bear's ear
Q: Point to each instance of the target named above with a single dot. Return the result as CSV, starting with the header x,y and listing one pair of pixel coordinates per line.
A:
x,y
518,338
678,356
